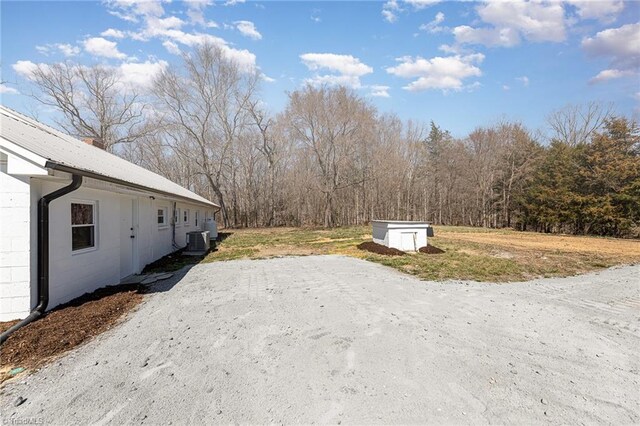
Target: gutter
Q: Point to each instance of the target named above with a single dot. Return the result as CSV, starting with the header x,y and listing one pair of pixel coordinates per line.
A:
x,y
56,166
43,255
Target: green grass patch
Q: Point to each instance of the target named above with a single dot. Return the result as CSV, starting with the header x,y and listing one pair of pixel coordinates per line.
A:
x,y
470,253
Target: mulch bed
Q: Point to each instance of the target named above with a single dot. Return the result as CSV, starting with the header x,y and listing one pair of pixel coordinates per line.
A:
x,y
380,249
429,249
66,327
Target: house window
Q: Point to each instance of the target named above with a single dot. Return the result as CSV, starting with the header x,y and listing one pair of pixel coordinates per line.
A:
x,y
83,226
185,219
196,218
162,216
176,216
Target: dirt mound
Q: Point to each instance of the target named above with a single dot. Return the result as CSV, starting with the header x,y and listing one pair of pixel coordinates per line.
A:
x,y
429,249
66,327
380,249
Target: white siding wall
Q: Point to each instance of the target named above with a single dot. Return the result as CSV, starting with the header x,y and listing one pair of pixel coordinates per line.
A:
x,y
15,257
73,274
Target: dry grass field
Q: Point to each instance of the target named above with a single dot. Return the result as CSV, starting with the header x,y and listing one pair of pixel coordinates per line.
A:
x,y
470,253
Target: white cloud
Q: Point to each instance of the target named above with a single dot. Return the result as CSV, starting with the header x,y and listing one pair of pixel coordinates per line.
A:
x,y
102,47
524,80
130,10
171,47
158,25
389,10
611,74
506,88
622,48
113,33
25,68
335,80
248,29
380,91
67,50
169,29
267,78
195,11
140,75
434,26
389,16
601,10
45,50
620,43
344,64
348,69
233,2
244,58
504,37
510,21
421,4
444,73
6,90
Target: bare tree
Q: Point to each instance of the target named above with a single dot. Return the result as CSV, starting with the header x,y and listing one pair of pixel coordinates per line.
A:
x,y
329,124
576,123
93,102
206,107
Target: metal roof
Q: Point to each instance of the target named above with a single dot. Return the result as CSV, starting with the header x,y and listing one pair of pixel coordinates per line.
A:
x,y
67,153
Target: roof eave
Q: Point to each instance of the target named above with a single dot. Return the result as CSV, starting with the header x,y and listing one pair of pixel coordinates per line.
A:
x,y
85,173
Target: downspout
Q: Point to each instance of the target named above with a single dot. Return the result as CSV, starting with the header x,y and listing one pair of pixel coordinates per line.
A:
x,y
43,255
174,220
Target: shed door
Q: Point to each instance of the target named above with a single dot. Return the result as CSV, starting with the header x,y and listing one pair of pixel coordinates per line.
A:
x,y
128,243
408,241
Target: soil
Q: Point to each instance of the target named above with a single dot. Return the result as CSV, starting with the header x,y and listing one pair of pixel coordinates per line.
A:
x,y
565,243
172,262
66,327
429,249
380,249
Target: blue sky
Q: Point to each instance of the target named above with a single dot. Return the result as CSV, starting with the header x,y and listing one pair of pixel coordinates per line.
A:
x,y
461,64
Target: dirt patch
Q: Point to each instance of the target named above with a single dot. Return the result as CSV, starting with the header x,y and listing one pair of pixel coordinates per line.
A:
x,y
172,262
429,249
546,242
380,249
288,250
66,327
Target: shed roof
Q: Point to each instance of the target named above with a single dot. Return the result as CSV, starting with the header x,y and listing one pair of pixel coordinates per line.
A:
x,y
67,153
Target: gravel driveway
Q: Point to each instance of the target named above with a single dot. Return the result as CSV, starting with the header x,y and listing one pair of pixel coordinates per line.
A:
x,y
330,339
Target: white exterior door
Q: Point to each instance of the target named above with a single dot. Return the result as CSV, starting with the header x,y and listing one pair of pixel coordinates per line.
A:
x,y
408,241
128,244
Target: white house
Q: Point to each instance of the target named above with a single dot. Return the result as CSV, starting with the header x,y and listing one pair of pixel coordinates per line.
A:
x,y
74,217
401,234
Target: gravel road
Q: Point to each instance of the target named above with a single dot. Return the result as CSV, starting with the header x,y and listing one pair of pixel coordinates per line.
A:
x,y
330,339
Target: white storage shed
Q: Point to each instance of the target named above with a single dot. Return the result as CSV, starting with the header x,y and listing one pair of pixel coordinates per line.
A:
x,y
401,234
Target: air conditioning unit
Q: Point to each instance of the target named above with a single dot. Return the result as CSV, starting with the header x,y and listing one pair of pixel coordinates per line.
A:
x,y
211,226
198,241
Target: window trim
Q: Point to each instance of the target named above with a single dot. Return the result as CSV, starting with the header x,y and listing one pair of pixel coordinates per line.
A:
x,y
177,217
94,204
186,217
165,223
195,217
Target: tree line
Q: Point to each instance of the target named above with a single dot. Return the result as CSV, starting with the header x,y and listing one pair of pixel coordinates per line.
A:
x,y
331,159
